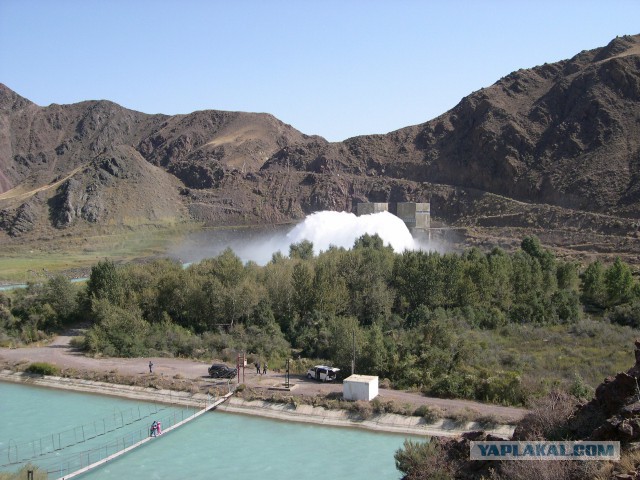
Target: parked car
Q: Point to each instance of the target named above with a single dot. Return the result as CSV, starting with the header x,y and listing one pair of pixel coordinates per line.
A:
x,y
323,373
220,370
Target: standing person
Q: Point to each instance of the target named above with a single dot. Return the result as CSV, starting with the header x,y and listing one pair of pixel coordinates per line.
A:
x,y
150,366
154,429
258,368
265,368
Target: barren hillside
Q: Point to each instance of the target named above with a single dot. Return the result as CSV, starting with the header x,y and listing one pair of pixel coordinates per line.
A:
x,y
552,150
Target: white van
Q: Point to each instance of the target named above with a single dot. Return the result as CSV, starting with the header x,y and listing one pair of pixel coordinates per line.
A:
x,y
323,373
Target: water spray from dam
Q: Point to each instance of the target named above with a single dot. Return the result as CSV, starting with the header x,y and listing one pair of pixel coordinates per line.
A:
x,y
341,229
324,229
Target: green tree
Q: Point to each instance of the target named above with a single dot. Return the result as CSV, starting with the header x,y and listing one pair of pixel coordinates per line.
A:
x,y
62,296
367,272
526,279
618,283
118,332
500,273
343,331
567,276
532,246
374,352
226,267
476,285
105,282
303,295
302,250
331,295
369,241
546,259
277,279
593,285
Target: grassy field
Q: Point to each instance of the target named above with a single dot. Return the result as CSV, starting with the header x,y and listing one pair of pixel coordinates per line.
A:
x,y
36,260
553,355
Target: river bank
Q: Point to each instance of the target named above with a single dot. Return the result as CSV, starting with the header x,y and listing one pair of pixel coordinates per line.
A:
x,y
387,422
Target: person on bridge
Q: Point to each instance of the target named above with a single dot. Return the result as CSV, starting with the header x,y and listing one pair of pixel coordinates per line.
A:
x,y
154,429
159,427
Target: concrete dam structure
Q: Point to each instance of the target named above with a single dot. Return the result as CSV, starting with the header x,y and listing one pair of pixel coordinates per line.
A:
x,y
416,216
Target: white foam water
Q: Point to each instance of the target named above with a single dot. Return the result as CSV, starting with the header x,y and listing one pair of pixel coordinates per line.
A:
x,y
342,229
324,229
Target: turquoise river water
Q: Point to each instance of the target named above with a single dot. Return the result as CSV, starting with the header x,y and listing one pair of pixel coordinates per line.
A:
x,y
216,445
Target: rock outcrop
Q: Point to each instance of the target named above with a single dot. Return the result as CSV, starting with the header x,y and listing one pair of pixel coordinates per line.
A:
x,y
554,147
614,412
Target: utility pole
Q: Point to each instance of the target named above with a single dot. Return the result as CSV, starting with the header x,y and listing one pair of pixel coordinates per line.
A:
x,y
287,378
353,358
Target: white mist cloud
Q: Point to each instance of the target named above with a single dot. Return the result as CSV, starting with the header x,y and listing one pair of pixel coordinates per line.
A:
x,y
323,229
342,229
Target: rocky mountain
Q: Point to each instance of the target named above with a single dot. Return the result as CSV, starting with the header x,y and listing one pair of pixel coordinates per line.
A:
x,y
552,150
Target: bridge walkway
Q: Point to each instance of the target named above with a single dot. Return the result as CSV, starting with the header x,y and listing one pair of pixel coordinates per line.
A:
x,y
134,445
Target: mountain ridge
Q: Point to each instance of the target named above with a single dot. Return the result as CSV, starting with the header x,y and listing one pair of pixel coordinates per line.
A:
x,y
538,149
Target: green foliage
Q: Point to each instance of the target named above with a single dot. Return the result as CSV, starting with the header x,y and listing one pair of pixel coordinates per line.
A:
x,y
118,332
618,283
580,389
430,414
374,359
346,334
627,314
593,285
106,282
62,296
303,293
491,326
43,368
302,250
423,460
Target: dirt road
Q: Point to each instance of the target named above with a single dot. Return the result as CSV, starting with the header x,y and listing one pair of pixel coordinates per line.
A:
x,y
59,353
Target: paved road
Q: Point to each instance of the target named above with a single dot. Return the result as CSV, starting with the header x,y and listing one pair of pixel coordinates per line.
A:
x,y
59,353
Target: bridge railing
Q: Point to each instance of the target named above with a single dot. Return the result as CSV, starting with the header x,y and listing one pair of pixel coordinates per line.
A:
x,y
19,452
78,460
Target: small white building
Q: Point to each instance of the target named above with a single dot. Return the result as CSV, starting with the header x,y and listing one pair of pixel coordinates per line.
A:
x,y
360,387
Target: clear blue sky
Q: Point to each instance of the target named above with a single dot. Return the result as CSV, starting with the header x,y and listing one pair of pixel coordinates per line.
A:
x,y
336,68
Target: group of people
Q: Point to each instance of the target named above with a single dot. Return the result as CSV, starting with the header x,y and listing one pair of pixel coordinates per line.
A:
x,y
156,428
264,370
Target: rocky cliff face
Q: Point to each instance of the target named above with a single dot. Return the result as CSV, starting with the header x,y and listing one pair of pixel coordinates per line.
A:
x,y
565,134
555,148
614,412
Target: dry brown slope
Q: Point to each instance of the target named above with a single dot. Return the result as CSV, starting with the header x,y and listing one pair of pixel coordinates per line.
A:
x,y
96,163
566,134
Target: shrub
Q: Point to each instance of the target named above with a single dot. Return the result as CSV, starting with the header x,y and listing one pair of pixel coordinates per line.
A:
x,y
464,416
579,388
488,421
78,343
420,460
558,470
362,408
626,314
547,419
431,414
43,368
